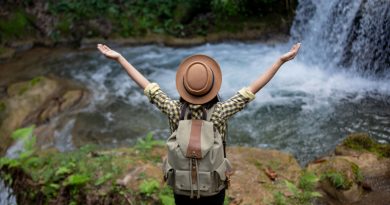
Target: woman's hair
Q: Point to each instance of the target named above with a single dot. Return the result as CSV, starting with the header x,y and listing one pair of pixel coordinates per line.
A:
x,y
207,105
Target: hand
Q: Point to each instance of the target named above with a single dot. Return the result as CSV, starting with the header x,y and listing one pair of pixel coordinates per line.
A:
x,y
291,54
111,54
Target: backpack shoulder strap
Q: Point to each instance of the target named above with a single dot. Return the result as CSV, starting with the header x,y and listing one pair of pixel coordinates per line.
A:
x,y
183,112
210,112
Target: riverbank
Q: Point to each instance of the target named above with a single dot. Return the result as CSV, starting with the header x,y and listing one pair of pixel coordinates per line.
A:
x,y
356,173
266,35
25,25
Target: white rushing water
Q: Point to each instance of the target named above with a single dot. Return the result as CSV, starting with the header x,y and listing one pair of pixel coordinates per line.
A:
x,y
312,103
6,198
306,109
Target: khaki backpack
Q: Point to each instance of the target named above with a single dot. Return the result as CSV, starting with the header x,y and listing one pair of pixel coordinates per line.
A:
x,y
196,162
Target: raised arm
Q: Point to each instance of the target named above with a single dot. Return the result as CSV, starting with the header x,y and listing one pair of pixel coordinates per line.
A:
x,y
133,73
270,72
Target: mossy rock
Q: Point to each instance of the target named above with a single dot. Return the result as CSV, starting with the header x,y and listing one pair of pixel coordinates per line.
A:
x,y
341,180
340,172
363,142
36,101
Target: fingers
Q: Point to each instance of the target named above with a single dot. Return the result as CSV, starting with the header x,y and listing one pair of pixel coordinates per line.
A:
x,y
103,48
296,46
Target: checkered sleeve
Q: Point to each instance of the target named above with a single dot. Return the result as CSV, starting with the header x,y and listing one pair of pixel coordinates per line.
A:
x,y
235,104
162,101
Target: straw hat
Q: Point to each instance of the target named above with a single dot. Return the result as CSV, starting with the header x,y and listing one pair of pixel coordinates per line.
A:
x,y
198,79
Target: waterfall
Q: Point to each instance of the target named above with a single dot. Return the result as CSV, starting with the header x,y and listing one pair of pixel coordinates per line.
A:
x,y
349,34
6,197
337,85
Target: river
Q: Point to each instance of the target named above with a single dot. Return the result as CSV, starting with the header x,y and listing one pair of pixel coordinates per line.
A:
x,y
338,84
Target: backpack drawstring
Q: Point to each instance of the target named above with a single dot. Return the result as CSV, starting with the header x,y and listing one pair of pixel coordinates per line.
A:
x,y
192,189
197,178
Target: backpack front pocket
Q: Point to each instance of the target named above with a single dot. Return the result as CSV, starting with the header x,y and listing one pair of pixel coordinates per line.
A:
x,y
183,181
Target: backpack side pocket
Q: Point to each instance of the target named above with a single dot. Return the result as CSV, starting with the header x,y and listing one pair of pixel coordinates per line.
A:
x,y
223,173
169,173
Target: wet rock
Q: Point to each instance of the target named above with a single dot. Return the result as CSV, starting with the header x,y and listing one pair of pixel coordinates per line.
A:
x,y
62,103
20,46
369,173
341,180
6,53
36,101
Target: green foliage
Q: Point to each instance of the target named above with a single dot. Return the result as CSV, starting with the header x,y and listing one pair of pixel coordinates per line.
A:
x,y
357,172
151,189
226,201
303,194
26,136
359,141
109,18
148,143
337,179
148,187
77,180
308,181
8,162
35,81
363,141
54,173
73,169
14,27
103,179
279,199
225,8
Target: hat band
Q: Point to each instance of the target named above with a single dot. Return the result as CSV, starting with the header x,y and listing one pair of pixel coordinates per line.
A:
x,y
192,93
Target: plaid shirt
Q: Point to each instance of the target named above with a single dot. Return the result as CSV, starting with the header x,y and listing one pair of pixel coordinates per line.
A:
x,y
222,110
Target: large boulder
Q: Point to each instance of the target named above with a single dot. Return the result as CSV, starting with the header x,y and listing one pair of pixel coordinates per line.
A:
x,y
36,101
340,180
357,173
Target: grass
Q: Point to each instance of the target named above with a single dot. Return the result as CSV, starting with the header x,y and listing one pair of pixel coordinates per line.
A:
x,y
74,174
302,194
337,179
343,176
363,142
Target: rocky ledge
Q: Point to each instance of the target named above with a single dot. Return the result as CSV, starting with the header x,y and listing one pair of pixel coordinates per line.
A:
x,y
37,101
357,173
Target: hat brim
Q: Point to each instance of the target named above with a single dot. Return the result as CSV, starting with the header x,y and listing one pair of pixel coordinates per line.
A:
x,y
213,65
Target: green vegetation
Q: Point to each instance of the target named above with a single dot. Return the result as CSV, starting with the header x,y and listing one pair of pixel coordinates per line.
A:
x,y
15,26
51,175
151,188
74,20
343,179
226,200
303,194
145,145
357,172
363,142
344,176
148,187
337,179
